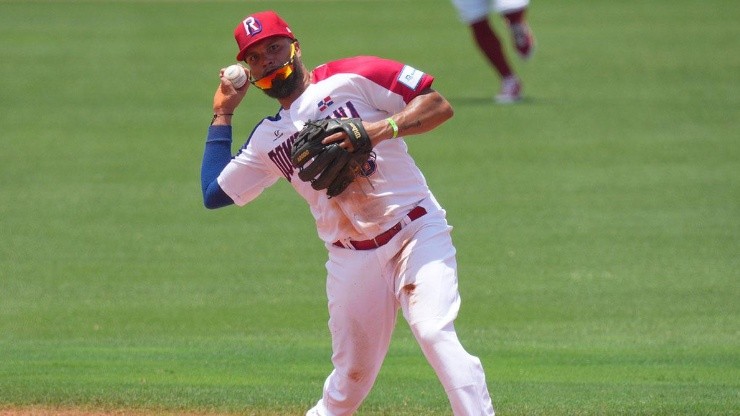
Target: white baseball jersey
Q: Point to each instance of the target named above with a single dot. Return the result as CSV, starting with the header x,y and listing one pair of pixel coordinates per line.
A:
x,y
367,87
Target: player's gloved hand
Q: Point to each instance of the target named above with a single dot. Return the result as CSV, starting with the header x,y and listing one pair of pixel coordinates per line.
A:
x,y
323,157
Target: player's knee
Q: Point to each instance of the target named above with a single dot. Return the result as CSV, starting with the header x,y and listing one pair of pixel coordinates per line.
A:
x,y
431,332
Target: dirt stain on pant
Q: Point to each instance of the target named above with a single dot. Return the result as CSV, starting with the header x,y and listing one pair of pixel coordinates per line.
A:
x,y
408,291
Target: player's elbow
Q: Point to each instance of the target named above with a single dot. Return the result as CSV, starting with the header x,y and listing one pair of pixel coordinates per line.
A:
x,y
443,108
447,110
214,197
210,204
217,203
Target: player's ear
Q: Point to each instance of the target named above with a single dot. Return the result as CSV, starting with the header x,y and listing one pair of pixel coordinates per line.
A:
x,y
297,48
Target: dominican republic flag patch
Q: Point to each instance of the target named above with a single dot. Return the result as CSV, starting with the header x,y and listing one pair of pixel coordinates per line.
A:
x,y
325,103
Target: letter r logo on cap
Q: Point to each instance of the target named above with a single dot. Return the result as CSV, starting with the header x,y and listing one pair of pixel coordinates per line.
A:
x,y
252,26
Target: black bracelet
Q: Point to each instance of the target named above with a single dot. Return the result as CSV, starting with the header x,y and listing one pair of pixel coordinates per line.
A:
x,y
216,115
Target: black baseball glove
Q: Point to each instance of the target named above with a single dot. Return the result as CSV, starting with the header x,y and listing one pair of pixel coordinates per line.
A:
x,y
329,166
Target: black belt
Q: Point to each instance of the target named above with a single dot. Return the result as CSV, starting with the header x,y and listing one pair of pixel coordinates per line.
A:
x,y
384,237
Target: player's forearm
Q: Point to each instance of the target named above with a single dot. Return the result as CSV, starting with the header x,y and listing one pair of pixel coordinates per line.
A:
x,y
216,156
422,114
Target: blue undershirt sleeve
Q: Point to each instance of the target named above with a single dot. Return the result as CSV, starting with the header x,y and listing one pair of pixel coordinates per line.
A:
x,y
216,156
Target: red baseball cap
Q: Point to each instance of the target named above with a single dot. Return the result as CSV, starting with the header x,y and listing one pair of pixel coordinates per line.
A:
x,y
258,26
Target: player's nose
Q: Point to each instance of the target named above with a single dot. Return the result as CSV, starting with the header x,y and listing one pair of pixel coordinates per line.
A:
x,y
268,63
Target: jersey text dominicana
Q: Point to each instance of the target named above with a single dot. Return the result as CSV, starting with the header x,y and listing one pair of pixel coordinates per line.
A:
x,y
367,87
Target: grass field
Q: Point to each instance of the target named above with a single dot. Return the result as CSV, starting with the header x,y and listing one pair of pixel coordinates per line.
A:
x,y
597,222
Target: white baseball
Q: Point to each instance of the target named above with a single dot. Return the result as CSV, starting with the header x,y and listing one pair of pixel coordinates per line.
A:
x,y
236,74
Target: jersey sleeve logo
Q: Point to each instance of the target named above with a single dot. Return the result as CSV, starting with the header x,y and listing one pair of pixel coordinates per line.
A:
x,y
410,77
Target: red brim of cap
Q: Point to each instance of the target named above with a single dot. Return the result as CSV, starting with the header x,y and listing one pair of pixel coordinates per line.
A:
x,y
243,51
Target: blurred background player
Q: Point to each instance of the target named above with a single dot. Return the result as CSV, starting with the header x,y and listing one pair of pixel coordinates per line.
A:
x,y
475,13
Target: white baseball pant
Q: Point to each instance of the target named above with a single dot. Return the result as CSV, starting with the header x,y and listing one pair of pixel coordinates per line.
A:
x,y
417,272
471,11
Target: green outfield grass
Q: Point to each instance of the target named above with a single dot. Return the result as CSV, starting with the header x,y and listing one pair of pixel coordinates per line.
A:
x,y
597,222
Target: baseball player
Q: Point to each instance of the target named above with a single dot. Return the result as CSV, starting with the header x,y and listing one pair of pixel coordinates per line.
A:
x,y
475,14
387,238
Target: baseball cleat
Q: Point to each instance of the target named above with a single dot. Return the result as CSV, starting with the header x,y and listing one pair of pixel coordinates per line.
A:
x,y
511,90
313,412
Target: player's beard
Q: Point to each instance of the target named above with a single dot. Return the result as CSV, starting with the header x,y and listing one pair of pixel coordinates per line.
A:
x,y
283,88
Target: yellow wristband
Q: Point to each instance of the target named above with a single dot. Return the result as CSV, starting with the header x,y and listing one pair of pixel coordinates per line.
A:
x,y
394,126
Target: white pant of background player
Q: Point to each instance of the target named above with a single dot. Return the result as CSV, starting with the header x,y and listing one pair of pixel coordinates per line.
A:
x,y
417,272
473,10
